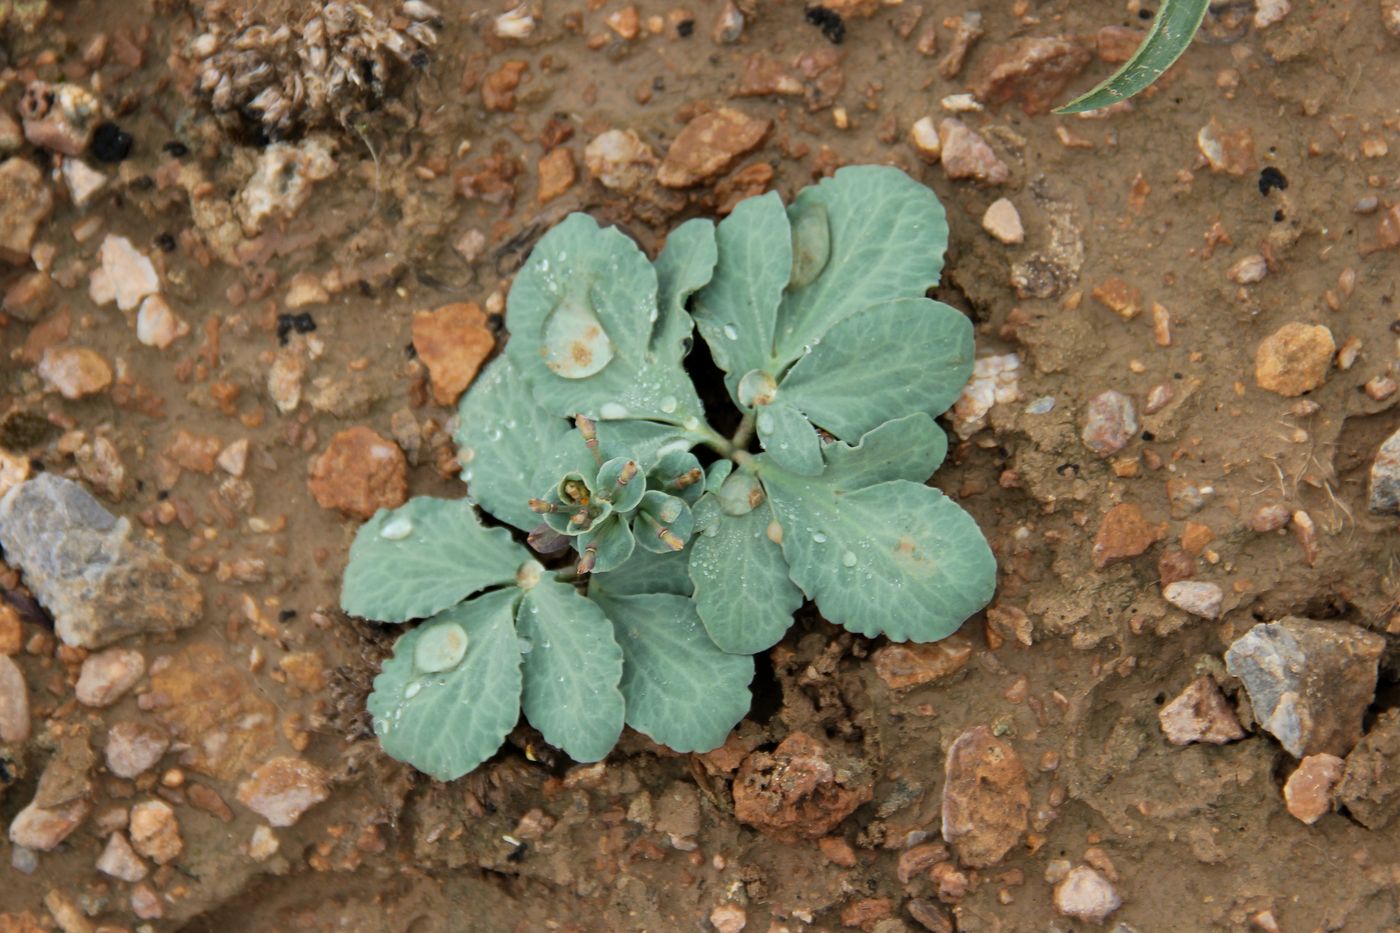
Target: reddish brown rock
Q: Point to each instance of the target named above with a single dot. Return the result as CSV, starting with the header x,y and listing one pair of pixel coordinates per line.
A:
x,y
498,88
1034,70
452,342
1370,785
25,200
918,859
986,801
965,154
1294,359
213,708
864,913
197,453
281,790
557,174
1200,714
1120,297
75,372
43,828
902,666
800,790
709,145
1124,533
1312,786
359,473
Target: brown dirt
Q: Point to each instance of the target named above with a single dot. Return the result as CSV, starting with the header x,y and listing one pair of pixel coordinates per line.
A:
x,y
1193,837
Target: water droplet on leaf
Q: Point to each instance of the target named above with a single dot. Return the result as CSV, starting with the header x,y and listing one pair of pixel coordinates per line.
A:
x,y
441,648
397,528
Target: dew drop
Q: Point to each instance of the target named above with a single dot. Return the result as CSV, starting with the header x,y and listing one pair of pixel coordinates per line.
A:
x,y
775,532
691,423
397,528
848,559
730,332
441,648
819,538
612,411
668,404
412,690
765,422
466,455
525,645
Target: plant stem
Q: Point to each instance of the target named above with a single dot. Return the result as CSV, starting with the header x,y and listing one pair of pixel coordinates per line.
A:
x,y
740,440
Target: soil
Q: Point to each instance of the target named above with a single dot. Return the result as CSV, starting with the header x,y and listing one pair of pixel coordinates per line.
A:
x,y
1079,653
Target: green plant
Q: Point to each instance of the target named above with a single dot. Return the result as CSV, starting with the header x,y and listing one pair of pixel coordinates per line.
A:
x,y
587,435
1172,30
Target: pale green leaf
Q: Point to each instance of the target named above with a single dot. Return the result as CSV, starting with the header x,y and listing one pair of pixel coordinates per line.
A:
x,y
737,312
646,572
898,558
581,313
449,722
505,441
644,441
607,547
888,234
426,555
888,361
679,474
742,591
685,266
572,670
909,448
1171,32
680,689
789,438
663,523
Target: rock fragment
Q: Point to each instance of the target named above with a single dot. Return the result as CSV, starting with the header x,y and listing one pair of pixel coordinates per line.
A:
x,y
1197,597
619,160
800,790
74,372
1228,151
43,828
1200,714
14,702
1034,70
1003,222
1309,682
120,860
902,666
359,473
1122,298
557,174
107,675
1124,533
965,154
155,832
83,181
995,380
282,182
1110,422
452,342
125,275
728,918
1370,785
282,789
98,581
25,201
1084,894
1385,478
986,800
923,136
133,748
709,145
59,117
1312,786
157,325
1294,359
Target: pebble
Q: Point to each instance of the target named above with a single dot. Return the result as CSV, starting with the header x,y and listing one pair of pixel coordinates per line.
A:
x,y
109,674
126,275
1385,478
25,201
1370,785
83,181
625,22
11,136
305,289
965,154
157,325
1309,682
1158,397
1120,297
452,342
1268,12
902,666
728,918
233,459
1294,359
1084,894
1003,222
802,789
43,828
557,174
709,145
1249,270
282,182
285,375
929,915
986,801
923,136
145,903
1268,518
1124,533
13,471
98,581
1196,597
74,372
619,160
14,703
263,844
1034,70
120,860
29,297
133,748
193,452
1200,714
1110,422
155,833
282,789
59,117
1231,152
359,473
1380,388
995,379
1312,786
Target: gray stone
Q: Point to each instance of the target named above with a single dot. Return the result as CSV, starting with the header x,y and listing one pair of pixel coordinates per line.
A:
x,y
1385,478
1309,682
99,581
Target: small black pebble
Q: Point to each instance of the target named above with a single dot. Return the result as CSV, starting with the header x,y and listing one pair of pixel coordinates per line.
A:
x,y
420,59
1278,216
302,323
166,242
176,149
829,22
685,28
286,615
110,143
1148,436
1271,178
1145,14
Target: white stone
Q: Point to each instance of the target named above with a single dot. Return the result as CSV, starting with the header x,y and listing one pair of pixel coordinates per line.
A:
x,y
14,702
619,159
83,181
923,135
1196,597
157,325
1268,12
263,845
233,459
1084,894
109,674
155,833
125,275
1003,221
282,182
43,828
134,748
120,860
995,379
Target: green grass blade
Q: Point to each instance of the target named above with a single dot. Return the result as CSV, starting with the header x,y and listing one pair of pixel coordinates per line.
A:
x,y
1171,32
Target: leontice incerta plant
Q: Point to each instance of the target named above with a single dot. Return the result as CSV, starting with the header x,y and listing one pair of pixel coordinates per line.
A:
x,y
638,557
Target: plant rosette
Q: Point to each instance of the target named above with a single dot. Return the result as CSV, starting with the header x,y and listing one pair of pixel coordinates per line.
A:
x,y
666,554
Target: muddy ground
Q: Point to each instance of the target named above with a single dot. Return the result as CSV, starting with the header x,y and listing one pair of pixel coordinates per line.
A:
x,y
1290,222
